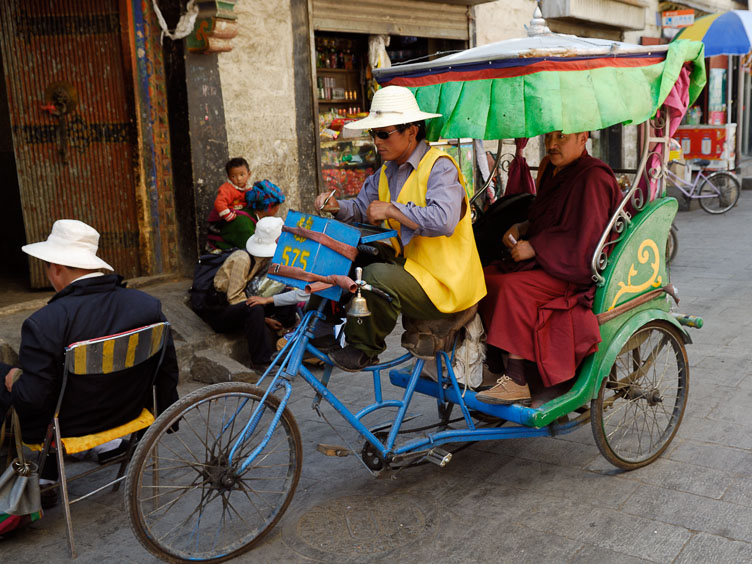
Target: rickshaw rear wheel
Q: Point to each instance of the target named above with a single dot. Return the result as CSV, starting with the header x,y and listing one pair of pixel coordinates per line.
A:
x,y
187,497
641,402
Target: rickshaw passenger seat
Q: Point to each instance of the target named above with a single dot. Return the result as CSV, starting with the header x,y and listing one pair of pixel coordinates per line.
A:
x,y
424,338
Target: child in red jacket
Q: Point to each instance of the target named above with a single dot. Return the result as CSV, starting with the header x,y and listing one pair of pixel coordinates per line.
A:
x,y
232,222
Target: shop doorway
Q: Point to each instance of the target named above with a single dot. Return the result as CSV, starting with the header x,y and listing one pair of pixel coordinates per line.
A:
x,y
344,89
14,276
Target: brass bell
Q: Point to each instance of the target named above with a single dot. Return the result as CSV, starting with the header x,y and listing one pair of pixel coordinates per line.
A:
x,y
358,305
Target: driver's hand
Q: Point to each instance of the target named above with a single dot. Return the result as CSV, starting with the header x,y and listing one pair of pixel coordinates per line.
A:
x,y
378,211
332,206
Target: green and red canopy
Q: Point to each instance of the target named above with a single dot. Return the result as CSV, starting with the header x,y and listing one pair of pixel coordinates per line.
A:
x,y
527,87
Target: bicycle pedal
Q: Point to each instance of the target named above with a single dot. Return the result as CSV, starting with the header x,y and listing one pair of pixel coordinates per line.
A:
x,y
333,450
439,456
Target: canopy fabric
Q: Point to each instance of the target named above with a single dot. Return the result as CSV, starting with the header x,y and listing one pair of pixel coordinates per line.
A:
x,y
514,89
725,33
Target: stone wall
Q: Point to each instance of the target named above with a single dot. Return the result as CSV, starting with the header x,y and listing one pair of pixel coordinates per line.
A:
x,y
258,92
499,20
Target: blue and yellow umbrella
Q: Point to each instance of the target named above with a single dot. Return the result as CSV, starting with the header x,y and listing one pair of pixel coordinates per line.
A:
x,y
727,33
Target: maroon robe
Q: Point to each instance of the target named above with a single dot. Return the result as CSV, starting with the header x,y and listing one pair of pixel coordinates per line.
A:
x,y
541,309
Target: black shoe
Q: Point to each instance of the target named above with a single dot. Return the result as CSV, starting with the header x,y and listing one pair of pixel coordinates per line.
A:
x,y
351,359
104,457
326,343
49,498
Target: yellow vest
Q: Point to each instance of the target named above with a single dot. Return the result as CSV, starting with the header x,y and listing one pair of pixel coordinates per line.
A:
x,y
447,267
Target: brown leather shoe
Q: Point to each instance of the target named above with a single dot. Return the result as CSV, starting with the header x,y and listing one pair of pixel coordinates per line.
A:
x,y
506,391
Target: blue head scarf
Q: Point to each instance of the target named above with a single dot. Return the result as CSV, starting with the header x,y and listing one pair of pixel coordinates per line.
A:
x,y
263,195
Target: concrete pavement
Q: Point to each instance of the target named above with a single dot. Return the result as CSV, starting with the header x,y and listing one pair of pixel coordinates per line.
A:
x,y
531,500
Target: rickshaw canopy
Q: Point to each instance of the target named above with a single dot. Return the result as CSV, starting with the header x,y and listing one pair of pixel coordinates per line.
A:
x,y
530,86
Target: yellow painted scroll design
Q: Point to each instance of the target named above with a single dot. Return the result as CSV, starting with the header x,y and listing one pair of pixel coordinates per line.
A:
x,y
644,252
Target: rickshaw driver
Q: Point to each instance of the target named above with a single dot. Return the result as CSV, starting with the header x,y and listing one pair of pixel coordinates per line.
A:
x,y
540,309
433,270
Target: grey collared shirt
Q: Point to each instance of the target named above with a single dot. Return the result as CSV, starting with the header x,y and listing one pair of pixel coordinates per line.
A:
x,y
444,197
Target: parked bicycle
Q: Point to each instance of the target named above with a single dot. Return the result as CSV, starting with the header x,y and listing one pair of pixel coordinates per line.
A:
x,y
716,193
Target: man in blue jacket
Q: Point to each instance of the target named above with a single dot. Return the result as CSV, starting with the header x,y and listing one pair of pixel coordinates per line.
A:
x,y
88,304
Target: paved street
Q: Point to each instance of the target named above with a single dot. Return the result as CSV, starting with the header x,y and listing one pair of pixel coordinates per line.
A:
x,y
532,500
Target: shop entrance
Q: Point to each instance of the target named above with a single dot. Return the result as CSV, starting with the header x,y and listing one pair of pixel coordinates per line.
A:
x,y
344,89
14,277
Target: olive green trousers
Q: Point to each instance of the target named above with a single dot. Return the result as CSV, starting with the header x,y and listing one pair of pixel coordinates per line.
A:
x,y
368,334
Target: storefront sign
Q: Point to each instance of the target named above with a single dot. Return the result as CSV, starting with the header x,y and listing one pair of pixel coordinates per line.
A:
x,y
678,18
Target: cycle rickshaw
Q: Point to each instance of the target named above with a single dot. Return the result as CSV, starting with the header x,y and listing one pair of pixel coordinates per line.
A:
x,y
217,470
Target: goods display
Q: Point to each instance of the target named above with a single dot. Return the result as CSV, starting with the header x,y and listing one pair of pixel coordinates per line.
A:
x,y
716,143
346,163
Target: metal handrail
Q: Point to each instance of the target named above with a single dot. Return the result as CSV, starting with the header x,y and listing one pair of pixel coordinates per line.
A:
x,y
621,217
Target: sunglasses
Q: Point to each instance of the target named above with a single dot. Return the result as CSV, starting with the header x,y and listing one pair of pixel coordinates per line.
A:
x,y
384,135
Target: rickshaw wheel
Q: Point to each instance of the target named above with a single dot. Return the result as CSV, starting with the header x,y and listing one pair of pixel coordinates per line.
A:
x,y
187,500
641,402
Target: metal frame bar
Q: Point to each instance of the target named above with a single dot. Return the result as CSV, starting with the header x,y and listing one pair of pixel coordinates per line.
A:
x,y
652,139
289,364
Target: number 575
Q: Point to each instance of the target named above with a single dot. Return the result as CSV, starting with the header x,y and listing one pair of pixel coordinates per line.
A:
x,y
297,255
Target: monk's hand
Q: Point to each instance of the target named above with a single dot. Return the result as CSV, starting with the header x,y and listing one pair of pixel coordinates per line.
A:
x,y
272,324
378,211
511,236
523,250
331,205
258,300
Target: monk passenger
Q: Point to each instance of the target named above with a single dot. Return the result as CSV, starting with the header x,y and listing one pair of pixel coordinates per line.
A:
x,y
539,308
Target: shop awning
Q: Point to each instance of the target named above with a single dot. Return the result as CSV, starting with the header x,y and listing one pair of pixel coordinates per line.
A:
x,y
725,33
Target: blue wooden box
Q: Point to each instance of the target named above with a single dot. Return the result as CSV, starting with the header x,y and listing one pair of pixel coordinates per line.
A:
x,y
314,257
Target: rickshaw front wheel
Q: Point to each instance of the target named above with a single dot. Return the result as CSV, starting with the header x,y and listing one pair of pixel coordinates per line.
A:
x,y
188,497
641,402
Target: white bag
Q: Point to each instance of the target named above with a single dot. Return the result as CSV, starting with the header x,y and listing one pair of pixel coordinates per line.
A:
x,y
469,356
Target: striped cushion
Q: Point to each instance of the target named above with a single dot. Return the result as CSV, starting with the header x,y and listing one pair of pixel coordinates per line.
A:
x,y
116,352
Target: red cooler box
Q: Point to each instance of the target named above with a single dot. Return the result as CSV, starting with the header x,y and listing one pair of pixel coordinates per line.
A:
x,y
717,143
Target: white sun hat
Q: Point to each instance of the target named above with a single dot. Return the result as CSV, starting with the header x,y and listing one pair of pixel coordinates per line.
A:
x,y
263,242
392,105
70,243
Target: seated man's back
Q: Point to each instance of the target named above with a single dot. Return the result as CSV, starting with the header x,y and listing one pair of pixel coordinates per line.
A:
x,y
87,305
87,309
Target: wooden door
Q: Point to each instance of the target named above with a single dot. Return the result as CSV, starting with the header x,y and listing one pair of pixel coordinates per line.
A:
x,y
73,131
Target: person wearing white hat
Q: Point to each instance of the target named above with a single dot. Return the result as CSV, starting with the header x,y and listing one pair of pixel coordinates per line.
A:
x,y
88,304
432,269
250,302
